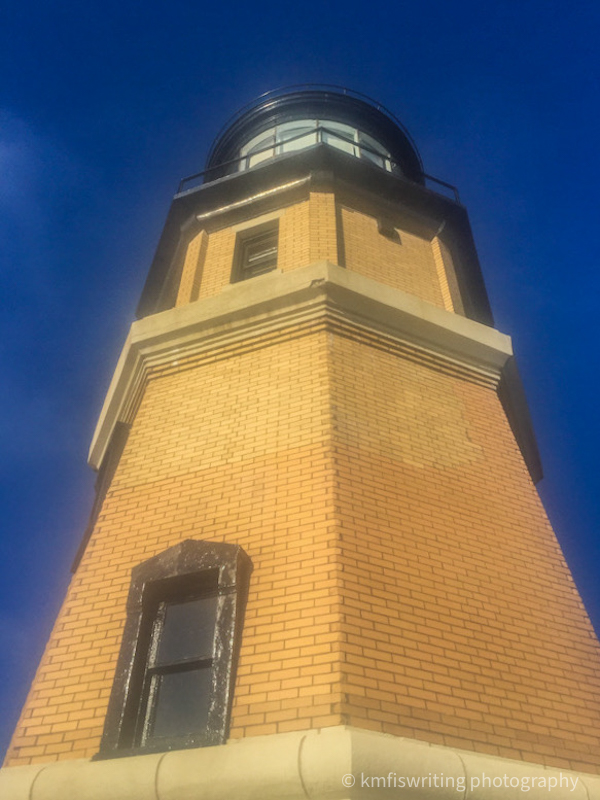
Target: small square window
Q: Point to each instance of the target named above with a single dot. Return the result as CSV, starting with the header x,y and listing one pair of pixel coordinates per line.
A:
x,y
256,252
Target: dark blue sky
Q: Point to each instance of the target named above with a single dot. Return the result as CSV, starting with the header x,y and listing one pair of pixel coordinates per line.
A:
x,y
105,105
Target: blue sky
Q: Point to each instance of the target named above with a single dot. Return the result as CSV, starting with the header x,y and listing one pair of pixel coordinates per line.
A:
x,y
105,105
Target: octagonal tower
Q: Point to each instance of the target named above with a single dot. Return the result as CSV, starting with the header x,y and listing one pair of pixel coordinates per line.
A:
x,y
317,549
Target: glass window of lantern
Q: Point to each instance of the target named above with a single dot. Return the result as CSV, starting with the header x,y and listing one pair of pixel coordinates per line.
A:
x,y
371,150
338,135
296,135
299,134
259,149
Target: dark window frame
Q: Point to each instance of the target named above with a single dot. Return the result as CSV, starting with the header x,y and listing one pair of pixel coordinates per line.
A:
x,y
243,268
191,569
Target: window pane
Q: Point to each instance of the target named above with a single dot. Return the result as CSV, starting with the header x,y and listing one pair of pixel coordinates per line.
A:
x,y
338,135
253,160
259,254
182,702
258,144
347,131
373,145
302,133
261,250
188,631
263,140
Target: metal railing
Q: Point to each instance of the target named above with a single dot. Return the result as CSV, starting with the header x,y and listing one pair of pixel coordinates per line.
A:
x,y
445,184
192,181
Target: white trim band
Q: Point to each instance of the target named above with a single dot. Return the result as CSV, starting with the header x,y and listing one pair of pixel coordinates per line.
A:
x,y
277,300
309,765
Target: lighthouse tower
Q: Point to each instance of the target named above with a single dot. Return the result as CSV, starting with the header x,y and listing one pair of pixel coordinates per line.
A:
x,y
317,565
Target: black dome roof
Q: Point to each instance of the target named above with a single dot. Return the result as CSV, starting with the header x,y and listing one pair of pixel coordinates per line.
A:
x,y
311,101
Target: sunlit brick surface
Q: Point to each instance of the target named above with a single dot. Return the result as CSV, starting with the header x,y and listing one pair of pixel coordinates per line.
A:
x,y
307,233
294,240
461,622
405,578
311,231
407,264
444,264
236,449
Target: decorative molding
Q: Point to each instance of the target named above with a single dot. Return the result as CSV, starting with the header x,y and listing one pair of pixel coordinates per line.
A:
x,y
277,301
326,764
246,201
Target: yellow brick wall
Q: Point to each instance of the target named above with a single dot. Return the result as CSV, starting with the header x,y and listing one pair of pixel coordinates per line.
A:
x,y
323,228
405,576
303,238
461,622
294,238
237,450
218,262
311,231
191,274
407,265
447,276
442,274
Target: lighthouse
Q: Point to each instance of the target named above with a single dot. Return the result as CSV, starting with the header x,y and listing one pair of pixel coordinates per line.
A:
x,y
317,565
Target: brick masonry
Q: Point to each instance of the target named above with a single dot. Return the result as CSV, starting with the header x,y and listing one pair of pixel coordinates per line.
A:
x,y
406,579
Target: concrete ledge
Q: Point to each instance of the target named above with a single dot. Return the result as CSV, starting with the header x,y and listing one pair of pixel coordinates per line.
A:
x,y
277,300
330,764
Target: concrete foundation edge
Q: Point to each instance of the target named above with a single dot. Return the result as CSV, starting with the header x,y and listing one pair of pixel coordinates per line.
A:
x,y
329,764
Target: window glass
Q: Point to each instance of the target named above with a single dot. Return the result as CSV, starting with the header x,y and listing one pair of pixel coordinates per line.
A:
x,y
373,151
258,149
257,254
178,676
173,685
338,135
296,135
181,703
258,153
188,631
299,134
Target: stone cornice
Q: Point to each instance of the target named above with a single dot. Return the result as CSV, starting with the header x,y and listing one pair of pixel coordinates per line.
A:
x,y
273,303
327,764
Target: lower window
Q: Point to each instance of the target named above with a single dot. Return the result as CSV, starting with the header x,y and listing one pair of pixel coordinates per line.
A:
x,y
174,680
176,695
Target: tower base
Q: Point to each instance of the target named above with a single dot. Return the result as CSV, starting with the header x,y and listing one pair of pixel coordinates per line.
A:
x,y
339,763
